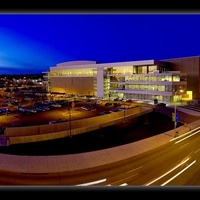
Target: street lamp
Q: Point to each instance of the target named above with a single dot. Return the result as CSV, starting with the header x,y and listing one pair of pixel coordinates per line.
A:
x,y
124,108
124,112
109,96
175,115
69,122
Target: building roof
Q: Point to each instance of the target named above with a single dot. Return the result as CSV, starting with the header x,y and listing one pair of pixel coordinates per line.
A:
x,y
94,64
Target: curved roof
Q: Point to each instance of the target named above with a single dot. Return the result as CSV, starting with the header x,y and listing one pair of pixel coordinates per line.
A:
x,y
79,62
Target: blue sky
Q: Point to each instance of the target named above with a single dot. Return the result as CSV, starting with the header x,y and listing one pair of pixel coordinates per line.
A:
x,y
31,43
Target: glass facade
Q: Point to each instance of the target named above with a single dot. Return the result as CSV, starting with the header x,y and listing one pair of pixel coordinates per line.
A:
x,y
141,82
73,72
146,83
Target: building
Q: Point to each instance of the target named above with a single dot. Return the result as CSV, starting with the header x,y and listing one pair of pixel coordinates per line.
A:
x,y
148,80
191,66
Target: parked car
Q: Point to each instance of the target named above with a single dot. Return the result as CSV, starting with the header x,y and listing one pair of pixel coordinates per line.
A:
x,y
55,105
61,120
63,102
32,110
21,108
108,104
4,104
40,108
2,112
113,110
5,111
85,107
52,122
104,113
122,109
14,102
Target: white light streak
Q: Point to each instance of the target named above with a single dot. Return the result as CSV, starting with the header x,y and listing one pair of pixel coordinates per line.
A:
x,y
92,183
184,145
186,133
178,173
123,184
133,170
187,137
197,151
167,172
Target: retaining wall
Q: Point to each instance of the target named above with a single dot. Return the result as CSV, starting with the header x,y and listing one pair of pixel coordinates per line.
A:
x,y
18,135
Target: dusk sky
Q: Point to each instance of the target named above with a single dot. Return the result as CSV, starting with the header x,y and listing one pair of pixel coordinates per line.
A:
x,y
32,43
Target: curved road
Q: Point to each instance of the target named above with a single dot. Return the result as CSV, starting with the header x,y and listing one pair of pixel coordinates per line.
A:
x,y
176,163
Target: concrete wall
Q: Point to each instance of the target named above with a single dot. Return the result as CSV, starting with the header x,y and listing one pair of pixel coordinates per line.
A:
x,y
184,129
18,135
73,85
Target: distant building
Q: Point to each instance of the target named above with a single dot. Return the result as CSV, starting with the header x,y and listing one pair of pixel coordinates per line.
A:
x,y
166,81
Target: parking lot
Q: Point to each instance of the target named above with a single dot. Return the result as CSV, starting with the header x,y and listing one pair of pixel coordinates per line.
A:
x,y
78,109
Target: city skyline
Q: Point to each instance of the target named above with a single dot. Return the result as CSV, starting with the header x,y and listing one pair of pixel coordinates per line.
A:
x,y
32,43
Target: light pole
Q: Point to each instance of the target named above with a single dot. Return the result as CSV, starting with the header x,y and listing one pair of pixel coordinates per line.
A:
x,y
124,112
175,118
109,96
69,122
124,108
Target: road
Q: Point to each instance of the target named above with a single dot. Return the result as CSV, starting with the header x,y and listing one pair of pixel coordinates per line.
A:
x,y
176,163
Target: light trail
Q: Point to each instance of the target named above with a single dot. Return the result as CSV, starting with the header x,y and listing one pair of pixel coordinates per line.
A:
x,y
92,183
167,172
180,136
178,173
197,151
133,170
187,137
124,184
